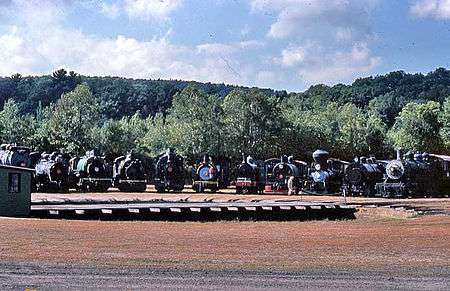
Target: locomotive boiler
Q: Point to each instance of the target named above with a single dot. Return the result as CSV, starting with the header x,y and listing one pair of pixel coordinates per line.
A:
x,y
169,172
89,173
362,175
325,174
52,173
250,176
129,173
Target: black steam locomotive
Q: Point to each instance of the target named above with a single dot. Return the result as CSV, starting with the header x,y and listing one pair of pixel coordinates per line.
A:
x,y
18,156
325,175
52,173
284,170
250,176
169,172
362,175
129,174
416,175
90,173
210,174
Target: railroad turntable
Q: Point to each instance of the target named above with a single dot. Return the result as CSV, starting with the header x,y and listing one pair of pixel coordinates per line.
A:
x,y
196,207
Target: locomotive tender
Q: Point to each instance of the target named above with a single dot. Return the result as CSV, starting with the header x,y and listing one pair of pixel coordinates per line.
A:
x,y
169,172
89,173
129,174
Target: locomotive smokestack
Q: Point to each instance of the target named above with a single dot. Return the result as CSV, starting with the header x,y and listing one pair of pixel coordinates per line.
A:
x,y
399,154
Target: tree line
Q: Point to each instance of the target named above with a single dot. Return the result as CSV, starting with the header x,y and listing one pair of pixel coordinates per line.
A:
x,y
372,116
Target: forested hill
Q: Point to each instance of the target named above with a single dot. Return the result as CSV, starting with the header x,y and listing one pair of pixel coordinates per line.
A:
x,y
120,97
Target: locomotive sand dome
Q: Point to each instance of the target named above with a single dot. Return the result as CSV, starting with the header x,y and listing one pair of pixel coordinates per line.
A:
x,y
169,172
89,173
129,174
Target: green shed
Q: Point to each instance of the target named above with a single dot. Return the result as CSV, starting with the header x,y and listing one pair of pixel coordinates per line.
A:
x,y
15,191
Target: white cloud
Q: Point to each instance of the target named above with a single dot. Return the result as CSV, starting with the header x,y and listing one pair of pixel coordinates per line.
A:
x,y
151,9
110,10
439,9
39,45
292,56
329,67
305,17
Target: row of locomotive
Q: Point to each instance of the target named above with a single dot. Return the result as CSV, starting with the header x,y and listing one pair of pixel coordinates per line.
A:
x,y
408,175
412,174
324,175
58,172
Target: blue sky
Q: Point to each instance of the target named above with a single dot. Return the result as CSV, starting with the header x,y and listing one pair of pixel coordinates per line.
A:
x,y
282,44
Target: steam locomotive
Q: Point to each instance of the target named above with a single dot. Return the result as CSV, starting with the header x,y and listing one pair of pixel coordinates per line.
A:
x,y
413,176
169,172
19,156
52,173
325,175
89,173
250,176
362,175
129,174
285,168
213,175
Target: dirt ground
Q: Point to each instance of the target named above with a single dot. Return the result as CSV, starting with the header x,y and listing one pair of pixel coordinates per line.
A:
x,y
379,250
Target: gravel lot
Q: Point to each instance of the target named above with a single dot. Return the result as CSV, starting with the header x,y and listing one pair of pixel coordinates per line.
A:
x,y
379,250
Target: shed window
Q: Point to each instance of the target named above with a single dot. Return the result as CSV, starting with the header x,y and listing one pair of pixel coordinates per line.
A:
x,y
14,183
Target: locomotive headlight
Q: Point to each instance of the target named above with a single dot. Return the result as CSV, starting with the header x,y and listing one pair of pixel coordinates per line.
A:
x,y
23,164
59,172
169,169
96,169
317,167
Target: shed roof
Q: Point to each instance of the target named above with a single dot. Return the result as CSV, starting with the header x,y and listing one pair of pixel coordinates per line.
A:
x,y
16,168
443,157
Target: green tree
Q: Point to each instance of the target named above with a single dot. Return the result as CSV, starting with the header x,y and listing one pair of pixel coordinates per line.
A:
x,y
14,128
76,114
194,122
253,124
417,127
156,138
121,136
445,120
